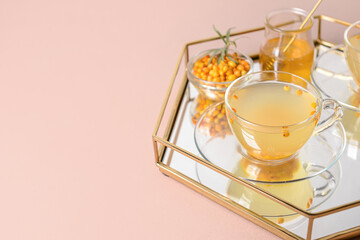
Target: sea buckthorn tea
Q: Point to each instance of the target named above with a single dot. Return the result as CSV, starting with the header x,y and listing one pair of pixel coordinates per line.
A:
x,y
352,50
299,193
278,104
297,59
273,114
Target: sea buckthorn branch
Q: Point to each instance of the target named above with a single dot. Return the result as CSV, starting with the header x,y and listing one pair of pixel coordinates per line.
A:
x,y
223,52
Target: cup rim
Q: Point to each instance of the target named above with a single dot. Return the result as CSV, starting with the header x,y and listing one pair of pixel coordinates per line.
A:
x,y
346,39
319,100
193,78
297,11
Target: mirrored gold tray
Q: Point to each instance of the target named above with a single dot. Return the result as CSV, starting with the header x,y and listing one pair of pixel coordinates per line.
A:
x,y
177,156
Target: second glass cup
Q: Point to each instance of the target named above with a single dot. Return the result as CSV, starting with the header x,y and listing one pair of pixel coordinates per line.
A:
x,y
287,47
352,50
273,114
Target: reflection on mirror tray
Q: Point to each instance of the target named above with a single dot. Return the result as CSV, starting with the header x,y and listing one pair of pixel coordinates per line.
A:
x,y
305,181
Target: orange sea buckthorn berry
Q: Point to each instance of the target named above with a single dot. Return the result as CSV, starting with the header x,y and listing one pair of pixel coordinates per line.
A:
x,y
232,77
234,110
236,97
205,59
281,220
240,67
299,92
285,131
313,105
229,72
232,64
309,203
286,88
313,112
218,128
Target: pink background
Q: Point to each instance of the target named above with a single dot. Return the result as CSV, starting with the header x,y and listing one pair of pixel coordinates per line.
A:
x,y
81,85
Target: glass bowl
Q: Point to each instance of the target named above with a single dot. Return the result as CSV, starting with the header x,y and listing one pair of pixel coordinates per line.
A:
x,y
210,92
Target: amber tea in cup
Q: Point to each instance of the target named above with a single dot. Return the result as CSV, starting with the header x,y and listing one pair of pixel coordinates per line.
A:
x,y
273,114
352,50
299,193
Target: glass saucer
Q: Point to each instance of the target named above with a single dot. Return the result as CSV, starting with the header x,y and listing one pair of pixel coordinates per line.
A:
x,y
332,76
318,160
222,148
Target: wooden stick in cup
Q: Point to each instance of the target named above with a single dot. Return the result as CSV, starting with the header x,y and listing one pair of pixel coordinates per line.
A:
x,y
303,25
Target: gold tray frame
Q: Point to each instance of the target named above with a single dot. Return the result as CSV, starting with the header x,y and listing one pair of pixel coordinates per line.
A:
x,y
161,143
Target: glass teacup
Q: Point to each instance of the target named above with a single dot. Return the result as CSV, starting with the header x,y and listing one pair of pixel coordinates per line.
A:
x,y
352,50
273,114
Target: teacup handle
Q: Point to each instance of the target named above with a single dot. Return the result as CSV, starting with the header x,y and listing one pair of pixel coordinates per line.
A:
x,y
337,115
328,187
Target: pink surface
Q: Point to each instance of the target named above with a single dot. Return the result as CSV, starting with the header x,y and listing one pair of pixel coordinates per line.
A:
x,y
81,85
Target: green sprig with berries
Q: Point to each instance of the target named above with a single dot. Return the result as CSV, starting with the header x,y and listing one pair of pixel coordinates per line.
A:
x,y
223,52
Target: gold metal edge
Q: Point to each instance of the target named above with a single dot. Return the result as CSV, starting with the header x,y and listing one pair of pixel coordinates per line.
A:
x,y
234,178
160,152
334,20
346,234
335,209
168,93
218,198
179,119
233,34
175,109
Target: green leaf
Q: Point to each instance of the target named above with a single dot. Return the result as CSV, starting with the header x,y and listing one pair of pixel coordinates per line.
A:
x,y
225,50
220,58
213,55
231,59
228,34
220,35
233,43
